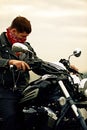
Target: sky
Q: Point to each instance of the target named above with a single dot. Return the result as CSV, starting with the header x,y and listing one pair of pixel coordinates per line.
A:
x,y
58,27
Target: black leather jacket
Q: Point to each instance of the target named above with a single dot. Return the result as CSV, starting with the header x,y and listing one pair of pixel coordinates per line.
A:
x,y
6,76
39,66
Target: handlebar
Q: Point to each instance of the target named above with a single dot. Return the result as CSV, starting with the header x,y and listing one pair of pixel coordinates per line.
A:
x,y
66,63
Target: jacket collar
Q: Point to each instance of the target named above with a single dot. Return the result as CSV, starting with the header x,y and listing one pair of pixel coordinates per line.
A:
x,y
4,40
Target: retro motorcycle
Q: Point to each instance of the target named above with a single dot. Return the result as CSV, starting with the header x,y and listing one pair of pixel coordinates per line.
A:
x,y
54,101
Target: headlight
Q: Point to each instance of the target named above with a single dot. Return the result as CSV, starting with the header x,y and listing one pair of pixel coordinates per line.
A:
x,y
83,87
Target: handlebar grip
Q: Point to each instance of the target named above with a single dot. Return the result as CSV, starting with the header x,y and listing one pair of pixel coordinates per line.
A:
x,y
8,67
13,67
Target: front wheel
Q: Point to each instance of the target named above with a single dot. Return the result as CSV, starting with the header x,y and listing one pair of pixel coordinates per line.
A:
x,y
70,124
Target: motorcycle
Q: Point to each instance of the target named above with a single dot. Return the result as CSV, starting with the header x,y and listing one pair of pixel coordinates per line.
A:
x,y
54,100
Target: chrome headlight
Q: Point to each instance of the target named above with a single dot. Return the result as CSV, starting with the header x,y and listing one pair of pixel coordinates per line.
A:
x,y
83,87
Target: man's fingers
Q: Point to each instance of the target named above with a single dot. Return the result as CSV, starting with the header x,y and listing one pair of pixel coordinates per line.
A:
x,y
24,66
19,64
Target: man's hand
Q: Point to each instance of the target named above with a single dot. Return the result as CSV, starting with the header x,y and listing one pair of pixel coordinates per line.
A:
x,y
19,64
73,69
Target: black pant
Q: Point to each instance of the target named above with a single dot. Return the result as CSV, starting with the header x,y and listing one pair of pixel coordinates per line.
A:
x,y
10,111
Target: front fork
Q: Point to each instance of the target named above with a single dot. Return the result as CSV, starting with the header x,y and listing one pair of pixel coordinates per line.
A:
x,y
73,107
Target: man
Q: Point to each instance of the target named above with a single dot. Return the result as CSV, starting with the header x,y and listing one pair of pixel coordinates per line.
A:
x,y
10,113
11,84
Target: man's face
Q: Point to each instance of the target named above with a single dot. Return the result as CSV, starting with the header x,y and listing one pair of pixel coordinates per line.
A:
x,y
20,36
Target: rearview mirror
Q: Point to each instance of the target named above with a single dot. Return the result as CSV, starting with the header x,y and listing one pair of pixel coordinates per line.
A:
x,y
77,52
20,47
